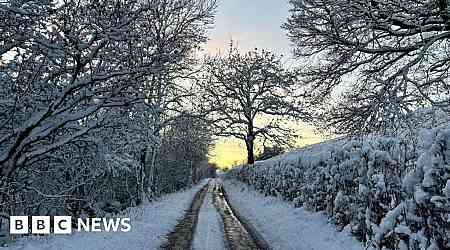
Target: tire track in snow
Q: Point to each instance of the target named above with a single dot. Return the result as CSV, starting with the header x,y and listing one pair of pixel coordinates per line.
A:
x,y
182,236
210,233
235,232
239,233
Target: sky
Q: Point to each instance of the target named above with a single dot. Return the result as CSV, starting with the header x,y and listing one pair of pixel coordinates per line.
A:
x,y
250,24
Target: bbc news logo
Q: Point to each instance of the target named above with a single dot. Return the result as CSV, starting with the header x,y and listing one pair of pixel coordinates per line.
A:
x,y
63,225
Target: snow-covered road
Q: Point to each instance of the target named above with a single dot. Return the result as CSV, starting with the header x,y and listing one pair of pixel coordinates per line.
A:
x,y
284,226
280,224
150,225
209,232
210,224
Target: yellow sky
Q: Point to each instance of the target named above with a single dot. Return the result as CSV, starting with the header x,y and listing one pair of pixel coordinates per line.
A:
x,y
229,152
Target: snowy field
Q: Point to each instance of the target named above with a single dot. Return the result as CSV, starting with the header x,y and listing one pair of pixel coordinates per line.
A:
x,y
284,226
150,224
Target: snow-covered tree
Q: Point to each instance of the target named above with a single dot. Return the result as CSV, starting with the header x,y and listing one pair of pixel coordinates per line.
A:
x,y
183,153
178,29
388,57
81,79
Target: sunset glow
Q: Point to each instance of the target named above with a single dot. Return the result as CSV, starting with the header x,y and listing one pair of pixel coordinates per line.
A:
x,y
229,152
259,28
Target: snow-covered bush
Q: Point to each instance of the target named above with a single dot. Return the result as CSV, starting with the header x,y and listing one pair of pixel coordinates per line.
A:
x,y
390,193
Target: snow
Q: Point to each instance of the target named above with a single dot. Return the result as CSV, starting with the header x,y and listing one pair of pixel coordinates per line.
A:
x,y
150,224
420,196
339,201
209,233
284,226
388,222
446,190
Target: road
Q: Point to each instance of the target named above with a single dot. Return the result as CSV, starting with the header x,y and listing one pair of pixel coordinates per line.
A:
x,y
238,233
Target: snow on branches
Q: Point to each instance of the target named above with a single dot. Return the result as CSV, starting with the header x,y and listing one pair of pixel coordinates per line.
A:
x,y
80,83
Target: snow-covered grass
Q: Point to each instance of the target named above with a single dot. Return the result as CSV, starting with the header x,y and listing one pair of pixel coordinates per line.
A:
x,y
150,223
209,233
284,226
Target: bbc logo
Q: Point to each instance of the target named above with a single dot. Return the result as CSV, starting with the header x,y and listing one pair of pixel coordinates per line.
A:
x,y
63,224
40,224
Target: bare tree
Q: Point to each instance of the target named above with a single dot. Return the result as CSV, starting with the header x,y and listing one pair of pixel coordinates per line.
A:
x,y
249,95
388,56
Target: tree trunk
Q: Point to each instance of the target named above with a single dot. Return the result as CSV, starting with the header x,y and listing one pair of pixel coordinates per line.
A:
x,y
249,142
149,184
140,175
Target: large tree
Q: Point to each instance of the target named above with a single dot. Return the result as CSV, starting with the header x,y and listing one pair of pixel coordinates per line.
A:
x,y
249,96
387,57
179,28
81,85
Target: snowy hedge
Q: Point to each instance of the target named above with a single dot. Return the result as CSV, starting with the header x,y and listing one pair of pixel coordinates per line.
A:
x,y
389,193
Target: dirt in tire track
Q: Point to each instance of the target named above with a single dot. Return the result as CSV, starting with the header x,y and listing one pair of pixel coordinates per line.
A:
x,y
239,233
182,236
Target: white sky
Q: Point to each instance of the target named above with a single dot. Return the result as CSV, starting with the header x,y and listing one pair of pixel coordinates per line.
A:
x,y
250,23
